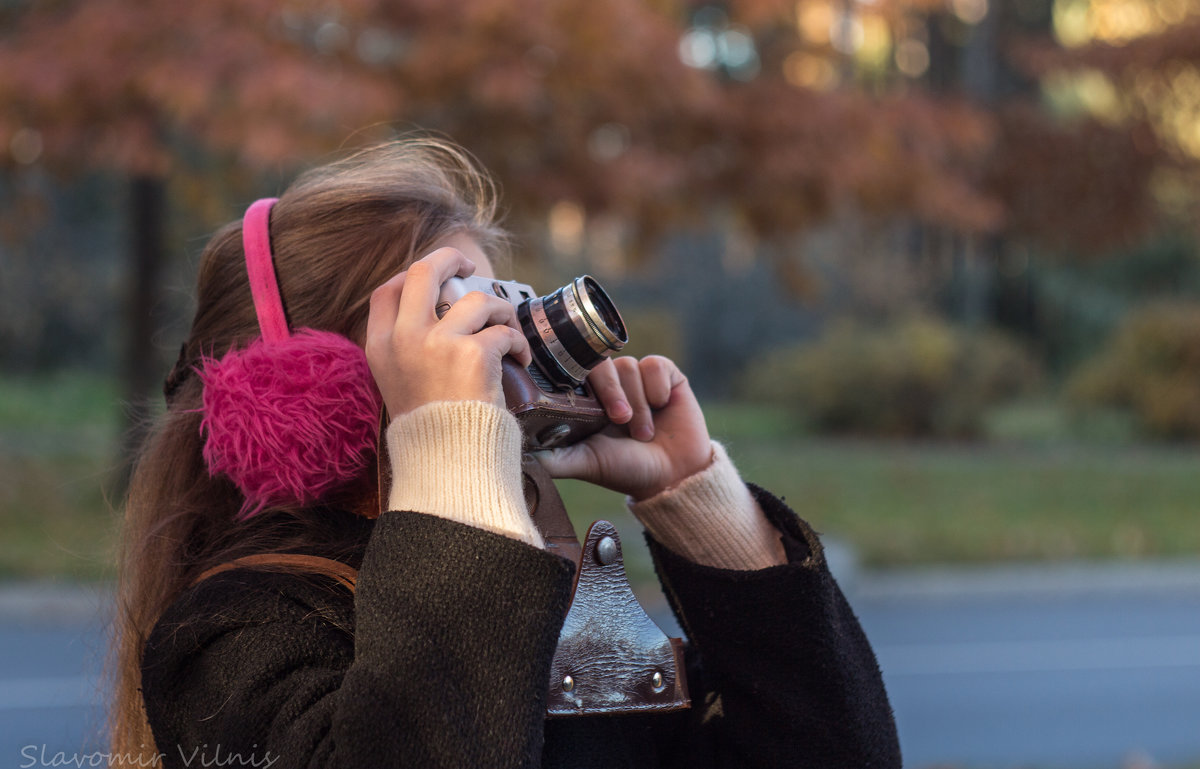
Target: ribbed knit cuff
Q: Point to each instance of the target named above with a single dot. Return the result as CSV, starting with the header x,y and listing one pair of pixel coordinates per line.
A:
x,y
461,460
712,519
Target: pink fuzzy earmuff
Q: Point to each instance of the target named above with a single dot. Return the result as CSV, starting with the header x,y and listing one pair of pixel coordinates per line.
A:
x,y
292,416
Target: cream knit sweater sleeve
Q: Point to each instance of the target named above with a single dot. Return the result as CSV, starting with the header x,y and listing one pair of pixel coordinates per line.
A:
x,y
712,519
461,460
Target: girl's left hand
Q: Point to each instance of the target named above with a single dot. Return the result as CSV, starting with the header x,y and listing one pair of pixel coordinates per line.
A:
x,y
658,436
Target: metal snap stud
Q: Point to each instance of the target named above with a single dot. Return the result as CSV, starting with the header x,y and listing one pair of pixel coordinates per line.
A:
x,y
554,435
656,681
568,683
606,551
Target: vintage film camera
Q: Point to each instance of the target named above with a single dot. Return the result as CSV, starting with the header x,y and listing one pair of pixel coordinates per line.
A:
x,y
611,657
570,331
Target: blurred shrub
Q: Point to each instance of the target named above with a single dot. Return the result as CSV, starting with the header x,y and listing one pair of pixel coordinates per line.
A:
x,y
1152,368
919,377
654,332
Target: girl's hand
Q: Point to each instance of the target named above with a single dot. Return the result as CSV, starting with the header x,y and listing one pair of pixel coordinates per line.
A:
x,y
417,358
658,436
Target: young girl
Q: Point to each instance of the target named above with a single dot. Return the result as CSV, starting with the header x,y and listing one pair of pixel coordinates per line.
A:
x,y
440,655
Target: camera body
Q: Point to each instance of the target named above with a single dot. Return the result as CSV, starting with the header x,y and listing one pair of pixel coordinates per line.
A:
x,y
570,332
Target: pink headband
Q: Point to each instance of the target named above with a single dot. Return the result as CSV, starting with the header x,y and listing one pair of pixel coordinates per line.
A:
x,y
264,286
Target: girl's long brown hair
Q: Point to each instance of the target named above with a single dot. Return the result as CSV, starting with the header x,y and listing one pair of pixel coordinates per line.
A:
x,y
337,233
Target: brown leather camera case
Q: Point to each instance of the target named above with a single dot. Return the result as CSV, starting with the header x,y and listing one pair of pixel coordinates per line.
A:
x,y
611,657
549,418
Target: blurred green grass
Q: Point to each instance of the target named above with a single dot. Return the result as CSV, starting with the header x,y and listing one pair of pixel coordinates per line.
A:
x,y
58,457
906,504
1044,488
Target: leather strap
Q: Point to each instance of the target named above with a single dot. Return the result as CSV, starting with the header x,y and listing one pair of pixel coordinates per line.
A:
x,y
547,510
347,576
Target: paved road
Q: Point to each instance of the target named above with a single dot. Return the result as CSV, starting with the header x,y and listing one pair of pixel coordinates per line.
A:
x,y
1072,668
52,647
1075,668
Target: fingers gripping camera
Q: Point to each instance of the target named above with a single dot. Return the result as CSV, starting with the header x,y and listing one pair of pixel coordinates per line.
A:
x,y
570,332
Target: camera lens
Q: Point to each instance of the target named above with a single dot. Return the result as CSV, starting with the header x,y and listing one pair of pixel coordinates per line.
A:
x,y
572,330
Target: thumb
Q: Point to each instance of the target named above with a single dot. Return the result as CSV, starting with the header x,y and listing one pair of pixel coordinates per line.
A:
x,y
576,461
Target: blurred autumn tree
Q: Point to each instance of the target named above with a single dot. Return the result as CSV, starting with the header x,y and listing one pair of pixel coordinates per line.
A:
x,y
659,112
1060,174
564,100
1110,150
1084,109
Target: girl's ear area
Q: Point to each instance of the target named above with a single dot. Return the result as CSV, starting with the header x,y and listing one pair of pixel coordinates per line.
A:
x,y
311,393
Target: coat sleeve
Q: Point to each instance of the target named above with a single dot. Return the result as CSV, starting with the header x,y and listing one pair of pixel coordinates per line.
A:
x,y
443,664
780,671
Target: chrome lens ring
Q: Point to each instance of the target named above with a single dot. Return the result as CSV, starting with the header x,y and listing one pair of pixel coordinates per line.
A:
x,y
565,362
596,324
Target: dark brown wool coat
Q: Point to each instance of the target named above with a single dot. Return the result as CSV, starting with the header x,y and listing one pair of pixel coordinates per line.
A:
x,y
441,659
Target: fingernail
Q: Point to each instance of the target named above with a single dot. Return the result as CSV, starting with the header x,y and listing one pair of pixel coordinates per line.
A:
x,y
643,433
621,410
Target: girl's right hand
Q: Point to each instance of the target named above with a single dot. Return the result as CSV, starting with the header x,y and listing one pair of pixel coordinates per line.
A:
x,y
417,358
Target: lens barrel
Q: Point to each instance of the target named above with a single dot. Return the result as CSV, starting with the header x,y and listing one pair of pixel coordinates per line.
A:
x,y
572,330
